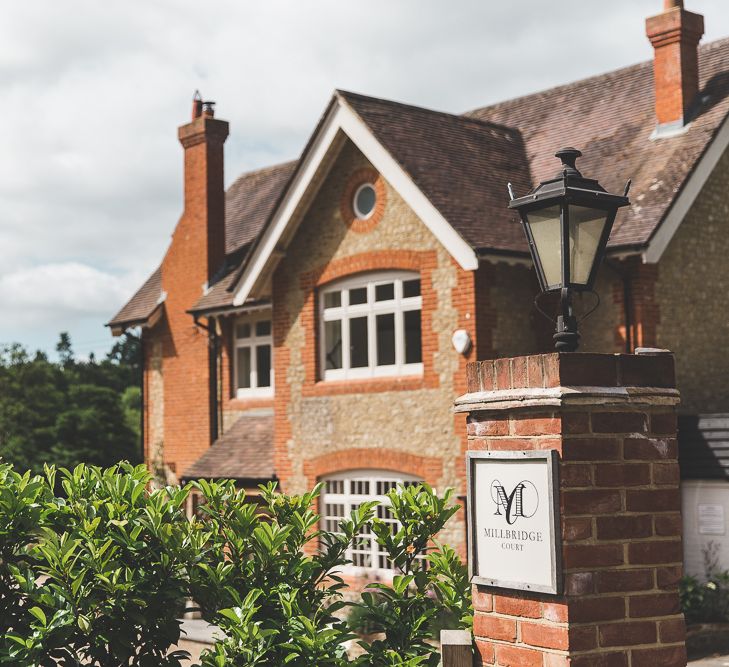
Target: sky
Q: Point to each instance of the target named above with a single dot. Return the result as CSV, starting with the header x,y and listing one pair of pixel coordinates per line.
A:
x,y
93,92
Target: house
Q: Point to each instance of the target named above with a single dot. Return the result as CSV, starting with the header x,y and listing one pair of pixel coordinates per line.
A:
x,y
301,325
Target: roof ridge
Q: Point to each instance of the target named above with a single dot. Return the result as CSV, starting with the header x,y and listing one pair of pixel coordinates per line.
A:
x,y
620,71
405,105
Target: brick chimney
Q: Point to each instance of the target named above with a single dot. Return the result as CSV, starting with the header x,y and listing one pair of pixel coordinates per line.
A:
x,y
196,253
675,36
203,140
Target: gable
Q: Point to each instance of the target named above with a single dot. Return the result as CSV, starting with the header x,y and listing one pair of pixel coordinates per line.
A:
x,y
330,235
339,123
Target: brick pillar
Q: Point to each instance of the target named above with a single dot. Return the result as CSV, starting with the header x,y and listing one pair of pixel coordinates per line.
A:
x,y
611,418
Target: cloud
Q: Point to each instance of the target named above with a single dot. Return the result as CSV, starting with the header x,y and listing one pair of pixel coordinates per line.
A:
x,y
40,294
90,166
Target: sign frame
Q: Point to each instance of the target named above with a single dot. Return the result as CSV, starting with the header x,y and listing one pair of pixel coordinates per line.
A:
x,y
551,459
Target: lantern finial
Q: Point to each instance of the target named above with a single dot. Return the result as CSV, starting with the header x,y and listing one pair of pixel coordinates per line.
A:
x,y
569,157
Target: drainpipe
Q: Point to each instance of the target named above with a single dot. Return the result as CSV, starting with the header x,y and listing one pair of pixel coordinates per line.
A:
x,y
142,407
627,302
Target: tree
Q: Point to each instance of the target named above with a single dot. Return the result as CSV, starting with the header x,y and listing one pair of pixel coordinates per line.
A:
x,y
72,411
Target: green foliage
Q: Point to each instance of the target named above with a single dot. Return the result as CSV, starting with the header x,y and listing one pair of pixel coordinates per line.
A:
x,y
97,574
72,411
275,602
705,601
432,585
99,578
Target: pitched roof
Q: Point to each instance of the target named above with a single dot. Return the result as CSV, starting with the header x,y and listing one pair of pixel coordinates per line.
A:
x,y
249,202
461,164
218,294
141,306
244,452
611,118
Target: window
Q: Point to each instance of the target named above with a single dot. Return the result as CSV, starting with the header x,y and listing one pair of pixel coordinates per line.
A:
x,y
364,201
253,362
345,492
370,327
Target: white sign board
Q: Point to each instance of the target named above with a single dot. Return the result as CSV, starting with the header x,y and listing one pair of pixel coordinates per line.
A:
x,y
513,520
711,520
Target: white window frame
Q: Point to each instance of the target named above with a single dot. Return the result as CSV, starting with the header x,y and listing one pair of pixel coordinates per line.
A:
x,y
349,499
359,214
370,309
254,391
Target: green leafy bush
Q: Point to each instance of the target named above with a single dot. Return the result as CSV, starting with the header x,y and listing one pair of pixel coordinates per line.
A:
x,y
705,601
97,575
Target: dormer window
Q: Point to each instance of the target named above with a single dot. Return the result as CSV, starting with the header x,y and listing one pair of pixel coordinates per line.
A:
x,y
253,359
370,326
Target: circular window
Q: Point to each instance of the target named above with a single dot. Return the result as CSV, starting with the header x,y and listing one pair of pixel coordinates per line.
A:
x,y
364,201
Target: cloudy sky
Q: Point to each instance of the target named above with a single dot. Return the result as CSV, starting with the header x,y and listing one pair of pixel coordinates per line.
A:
x,y
90,167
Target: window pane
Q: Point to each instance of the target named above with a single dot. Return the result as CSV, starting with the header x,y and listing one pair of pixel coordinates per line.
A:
x,y
358,356
547,233
586,227
386,339
263,363
333,344
243,330
385,292
332,299
413,352
359,487
357,295
263,328
411,288
244,367
364,202
335,486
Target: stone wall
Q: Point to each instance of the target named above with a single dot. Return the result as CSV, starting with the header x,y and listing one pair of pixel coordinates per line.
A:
x,y
692,289
402,423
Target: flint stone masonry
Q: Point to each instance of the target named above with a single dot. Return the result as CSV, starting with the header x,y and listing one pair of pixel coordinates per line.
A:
x,y
611,418
402,424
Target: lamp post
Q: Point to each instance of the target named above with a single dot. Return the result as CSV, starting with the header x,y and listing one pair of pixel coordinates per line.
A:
x,y
567,221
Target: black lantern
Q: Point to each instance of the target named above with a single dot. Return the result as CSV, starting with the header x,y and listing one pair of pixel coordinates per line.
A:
x,y
567,221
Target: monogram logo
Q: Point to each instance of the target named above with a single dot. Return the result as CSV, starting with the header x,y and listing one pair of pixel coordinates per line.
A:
x,y
522,502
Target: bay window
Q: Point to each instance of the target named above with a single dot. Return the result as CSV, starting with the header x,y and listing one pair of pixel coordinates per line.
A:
x,y
370,326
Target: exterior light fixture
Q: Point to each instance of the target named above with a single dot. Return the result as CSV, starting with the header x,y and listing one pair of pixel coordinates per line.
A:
x,y
567,221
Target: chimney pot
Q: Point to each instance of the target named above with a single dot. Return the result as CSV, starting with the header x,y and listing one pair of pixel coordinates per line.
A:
x,y
208,109
671,4
197,105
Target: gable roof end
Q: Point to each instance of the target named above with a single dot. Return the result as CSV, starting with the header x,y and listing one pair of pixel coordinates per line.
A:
x,y
341,119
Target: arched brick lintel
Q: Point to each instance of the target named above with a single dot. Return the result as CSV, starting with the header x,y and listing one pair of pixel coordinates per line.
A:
x,y
427,468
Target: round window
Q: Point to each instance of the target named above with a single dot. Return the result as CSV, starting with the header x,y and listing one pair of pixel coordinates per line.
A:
x,y
364,201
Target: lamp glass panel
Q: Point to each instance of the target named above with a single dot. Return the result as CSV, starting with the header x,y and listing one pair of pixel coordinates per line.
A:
x,y
586,227
545,227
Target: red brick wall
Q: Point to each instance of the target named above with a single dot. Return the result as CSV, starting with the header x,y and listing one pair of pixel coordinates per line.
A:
x,y
619,509
675,35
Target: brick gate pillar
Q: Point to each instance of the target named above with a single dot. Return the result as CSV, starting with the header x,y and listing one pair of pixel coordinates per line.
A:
x,y
611,419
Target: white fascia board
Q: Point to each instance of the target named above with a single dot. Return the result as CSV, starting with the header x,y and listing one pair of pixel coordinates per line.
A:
x,y
658,244
342,117
286,209
373,150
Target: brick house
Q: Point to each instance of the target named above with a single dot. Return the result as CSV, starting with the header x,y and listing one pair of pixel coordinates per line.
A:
x,y
301,324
